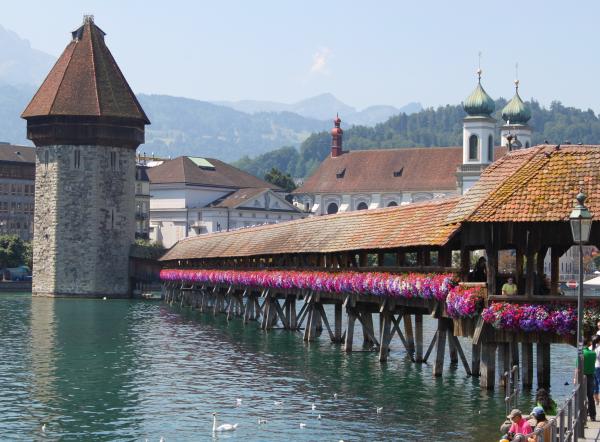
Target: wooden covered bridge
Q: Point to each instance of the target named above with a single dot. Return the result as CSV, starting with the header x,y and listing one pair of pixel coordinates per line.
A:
x,y
401,263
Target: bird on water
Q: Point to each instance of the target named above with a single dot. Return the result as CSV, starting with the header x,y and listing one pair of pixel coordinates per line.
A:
x,y
379,410
223,427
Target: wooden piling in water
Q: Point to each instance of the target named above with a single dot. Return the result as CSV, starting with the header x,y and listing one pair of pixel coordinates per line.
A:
x,y
419,337
408,331
527,365
440,347
543,365
488,365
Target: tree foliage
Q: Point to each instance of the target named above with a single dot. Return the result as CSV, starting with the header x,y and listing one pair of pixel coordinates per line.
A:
x,y
12,251
285,181
428,128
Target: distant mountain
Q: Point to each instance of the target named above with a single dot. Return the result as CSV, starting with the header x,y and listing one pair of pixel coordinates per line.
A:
x,y
182,126
20,64
13,100
324,107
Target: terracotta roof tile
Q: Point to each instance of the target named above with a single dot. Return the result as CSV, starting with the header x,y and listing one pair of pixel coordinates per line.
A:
x,y
183,170
86,81
419,224
422,169
536,184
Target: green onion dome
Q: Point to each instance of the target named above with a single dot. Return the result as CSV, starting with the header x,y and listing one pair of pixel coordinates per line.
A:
x,y
515,110
479,103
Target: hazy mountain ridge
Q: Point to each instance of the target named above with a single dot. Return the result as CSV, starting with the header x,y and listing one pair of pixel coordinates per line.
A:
x,y
20,64
324,107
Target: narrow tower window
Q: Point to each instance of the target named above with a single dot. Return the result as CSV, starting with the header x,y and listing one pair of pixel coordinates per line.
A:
x,y
46,158
490,148
473,154
77,159
113,161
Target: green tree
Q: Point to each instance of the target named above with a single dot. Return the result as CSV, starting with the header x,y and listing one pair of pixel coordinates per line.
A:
x,y
12,251
285,181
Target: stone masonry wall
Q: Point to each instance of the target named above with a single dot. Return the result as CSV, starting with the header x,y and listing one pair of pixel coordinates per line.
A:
x,y
84,221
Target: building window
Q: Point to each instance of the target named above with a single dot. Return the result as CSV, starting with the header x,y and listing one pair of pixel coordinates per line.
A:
x,y
113,161
77,159
473,154
392,204
138,188
362,206
46,158
527,145
112,218
332,208
490,148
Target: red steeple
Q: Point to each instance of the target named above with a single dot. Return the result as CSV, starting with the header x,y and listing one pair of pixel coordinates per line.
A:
x,y
85,86
336,138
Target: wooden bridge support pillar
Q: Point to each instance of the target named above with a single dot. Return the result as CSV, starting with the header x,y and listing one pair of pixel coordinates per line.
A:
x,y
440,347
527,365
338,322
452,345
488,365
543,365
476,359
410,338
419,337
503,361
367,328
386,335
350,329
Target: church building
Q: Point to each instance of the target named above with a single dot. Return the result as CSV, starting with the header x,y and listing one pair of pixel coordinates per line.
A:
x,y
374,178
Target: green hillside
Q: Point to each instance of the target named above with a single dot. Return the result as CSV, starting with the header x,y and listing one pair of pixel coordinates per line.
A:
x,y
429,127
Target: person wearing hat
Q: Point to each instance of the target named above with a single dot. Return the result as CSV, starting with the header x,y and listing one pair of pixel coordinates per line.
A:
x,y
544,430
519,424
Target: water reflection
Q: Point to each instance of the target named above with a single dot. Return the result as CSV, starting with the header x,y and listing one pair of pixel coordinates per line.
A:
x,y
120,370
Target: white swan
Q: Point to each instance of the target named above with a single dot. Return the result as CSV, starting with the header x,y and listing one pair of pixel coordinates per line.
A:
x,y
303,425
44,428
278,403
335,395
261,421
379,410
319,417
313,407
238,402
224,427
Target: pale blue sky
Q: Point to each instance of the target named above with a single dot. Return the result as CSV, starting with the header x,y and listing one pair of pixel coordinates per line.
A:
x,y
364,52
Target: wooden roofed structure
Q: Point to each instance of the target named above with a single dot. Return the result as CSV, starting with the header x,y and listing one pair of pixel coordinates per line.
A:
x,y
417,228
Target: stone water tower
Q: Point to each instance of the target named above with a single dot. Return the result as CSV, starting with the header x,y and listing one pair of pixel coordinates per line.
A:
x,y
86,124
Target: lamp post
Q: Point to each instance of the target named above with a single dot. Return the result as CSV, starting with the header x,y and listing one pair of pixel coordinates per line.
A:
x,y
581,225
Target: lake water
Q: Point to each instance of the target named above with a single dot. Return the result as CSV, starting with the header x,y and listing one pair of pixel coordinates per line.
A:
x,y
136,370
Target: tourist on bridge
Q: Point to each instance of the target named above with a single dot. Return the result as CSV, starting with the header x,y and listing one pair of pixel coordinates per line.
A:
x,y
520,425
589,371
509,288
479,273
596,347
540,422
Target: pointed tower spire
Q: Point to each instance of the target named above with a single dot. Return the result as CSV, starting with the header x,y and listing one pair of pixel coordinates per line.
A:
x,y
516,116
336,137
85,86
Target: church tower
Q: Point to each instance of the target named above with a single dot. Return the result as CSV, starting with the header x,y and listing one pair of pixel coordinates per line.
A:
x,y
516,115
86,124
336,137
478,136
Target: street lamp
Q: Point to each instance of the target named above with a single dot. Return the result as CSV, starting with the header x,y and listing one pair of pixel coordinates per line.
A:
x,y
581,226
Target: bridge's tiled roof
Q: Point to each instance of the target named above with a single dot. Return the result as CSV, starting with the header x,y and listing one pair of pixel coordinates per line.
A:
x,y
533,185
418,224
